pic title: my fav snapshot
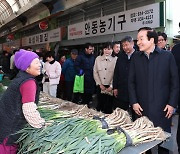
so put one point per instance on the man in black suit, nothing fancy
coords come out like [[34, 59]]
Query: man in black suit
[[153, 81], [120, 78]]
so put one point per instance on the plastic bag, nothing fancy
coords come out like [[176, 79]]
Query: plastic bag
[[78, 84]]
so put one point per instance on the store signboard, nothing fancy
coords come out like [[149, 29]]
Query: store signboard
[[46, 37], [12, 44], [131, 20], [54, 35]]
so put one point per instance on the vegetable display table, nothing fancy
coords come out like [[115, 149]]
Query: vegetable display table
[[141, 148]]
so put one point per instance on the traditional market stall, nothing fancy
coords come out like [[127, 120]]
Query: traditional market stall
[[75, 128]]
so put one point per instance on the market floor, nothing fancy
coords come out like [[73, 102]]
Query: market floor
[[174, 131]]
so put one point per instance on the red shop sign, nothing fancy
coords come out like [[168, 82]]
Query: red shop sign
[[43, 25], [10, 37]]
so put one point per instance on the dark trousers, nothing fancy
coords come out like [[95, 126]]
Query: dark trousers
[[178, 134], [13, 73], [86, 98], [77, 98], [104, 102], [121, 104], [39, 80], [61, 90], [69, 90]]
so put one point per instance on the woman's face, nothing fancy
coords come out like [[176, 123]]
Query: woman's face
[[107, 51], [63, 58], [34, 68]]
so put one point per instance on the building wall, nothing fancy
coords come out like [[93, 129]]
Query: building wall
[[97, 9], [92, 9]]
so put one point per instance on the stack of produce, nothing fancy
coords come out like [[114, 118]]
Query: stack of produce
[[73, 109], [68, 136], [81, 136], [119, 117]]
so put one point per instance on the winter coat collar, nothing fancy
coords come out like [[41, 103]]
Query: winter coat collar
[[156, 50], [103, 57], [52, 62]]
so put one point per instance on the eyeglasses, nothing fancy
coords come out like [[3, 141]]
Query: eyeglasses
[[161, 40]]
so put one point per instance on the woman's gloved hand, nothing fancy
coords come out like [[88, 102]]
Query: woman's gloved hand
[[81, 72]]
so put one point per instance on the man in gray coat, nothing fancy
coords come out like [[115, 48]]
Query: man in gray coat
[[153, 81]]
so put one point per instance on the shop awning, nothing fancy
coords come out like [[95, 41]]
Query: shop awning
[[8, 7]]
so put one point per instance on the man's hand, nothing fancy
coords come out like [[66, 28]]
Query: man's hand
[[169, 110], [137, 108], [115, 91]]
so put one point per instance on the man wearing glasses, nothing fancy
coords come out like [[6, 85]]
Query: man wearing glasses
[[162, 40]]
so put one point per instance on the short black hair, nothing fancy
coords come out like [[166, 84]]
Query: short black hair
[[87, 45], [116, 42], [15, 50], [151, 33], [127, 39], [163, 35], [4, 52], [107, 45], [28, 48], [50, 54], [40, 54]]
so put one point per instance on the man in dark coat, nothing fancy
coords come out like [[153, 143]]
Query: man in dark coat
[[6, 62], [116, 48], [120, 78], [176, 53], [84, 65], [69, 72], [153, 81]]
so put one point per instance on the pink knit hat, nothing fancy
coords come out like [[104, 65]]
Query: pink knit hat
[[23, 59]]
